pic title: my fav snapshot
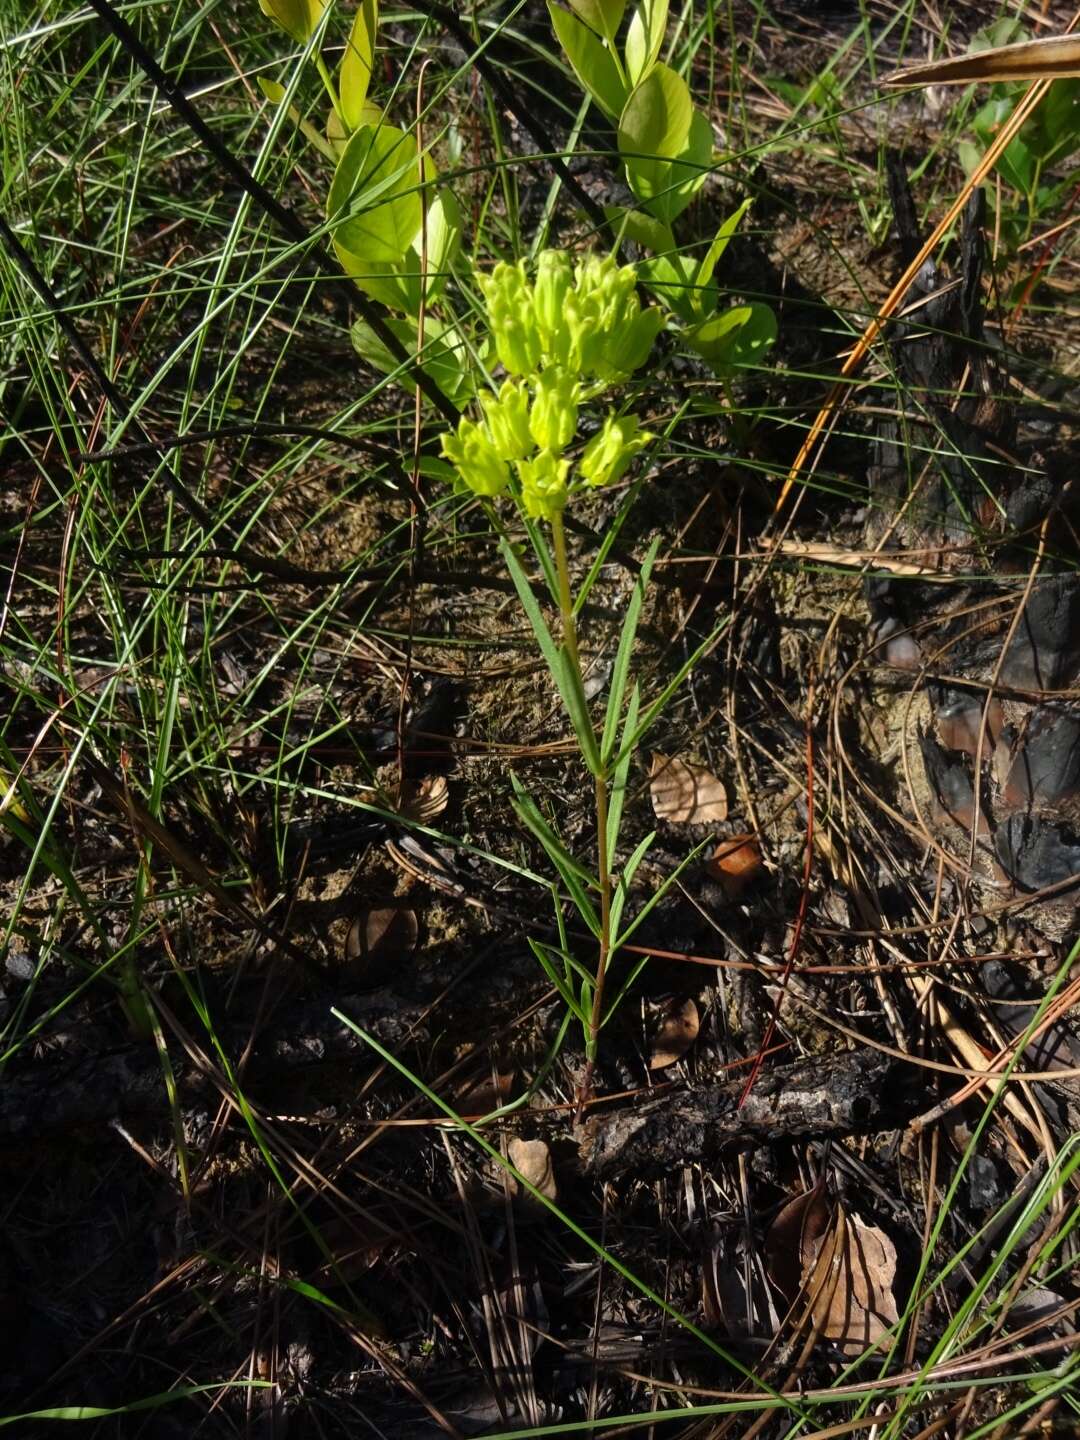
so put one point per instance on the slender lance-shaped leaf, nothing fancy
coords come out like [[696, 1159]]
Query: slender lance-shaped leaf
[[620, 994], [567, 995], [620, 779], [573, 693], [611, 534], [563, 670], [645, 37], [356, 64], [631, 741], [626, 879], [621, 668], [716, 249], [657, 895], [569, 870]]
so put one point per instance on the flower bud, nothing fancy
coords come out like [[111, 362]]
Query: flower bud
[[553, 281], [553, 421], [543, 485], [627, 346], [507, 419], [511, 319], [476, 460], [612, 448]]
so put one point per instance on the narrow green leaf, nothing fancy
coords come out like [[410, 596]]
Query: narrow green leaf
[[569, 870], [621, 778], [530, 606], [645, 37], [630, 742], [569, 999], [621, 993], [592, 63], [357, 63], [626, 879], [531, 816], [542, 551], [621, 668], [577, 707], [607, 540], [658, 894], [714, 252]]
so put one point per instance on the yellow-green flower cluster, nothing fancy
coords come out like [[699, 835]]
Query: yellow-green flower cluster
[[561, 339]]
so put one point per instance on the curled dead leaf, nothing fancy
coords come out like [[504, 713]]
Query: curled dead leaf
[[378, 942], [685, 794], [841, 1270], [424, 800], [735, 863], [678, 1031]]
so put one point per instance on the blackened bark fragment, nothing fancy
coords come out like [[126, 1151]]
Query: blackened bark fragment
[[1045, 651], [857, 1093], [56, 1098]]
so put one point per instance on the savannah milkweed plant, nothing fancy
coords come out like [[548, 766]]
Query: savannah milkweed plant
[[566, 341]]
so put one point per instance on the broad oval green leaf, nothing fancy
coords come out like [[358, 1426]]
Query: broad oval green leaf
[[603, 16], [673, 279], [642, 229], [356, 65], [444, 356], [374, 201], [398, 285], [665, 143], [298, 18], [735, 340], [592, 63], [645, 37], [657, 116]]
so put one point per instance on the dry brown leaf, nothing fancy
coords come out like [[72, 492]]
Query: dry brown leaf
[[795, 1227], [678, 1031], [734, 863], [533, 1159], [843, 1269], [378, 942], [849, 1276], [685, 794]]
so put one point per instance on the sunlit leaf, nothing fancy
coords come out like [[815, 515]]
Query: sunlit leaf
[[715, 251], [603, 16], [642, 229], [592, 62], [298, 18], [645, 37], [375, 197], [398, 285], [665, 143], [735, 339], [356, 65], [444, 356]]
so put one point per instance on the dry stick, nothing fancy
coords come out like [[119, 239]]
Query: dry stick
[[834, 402]]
